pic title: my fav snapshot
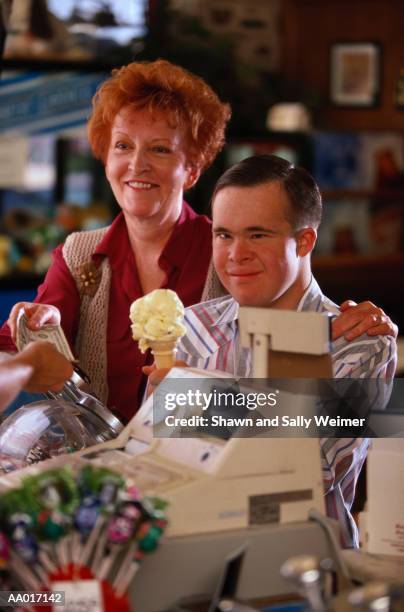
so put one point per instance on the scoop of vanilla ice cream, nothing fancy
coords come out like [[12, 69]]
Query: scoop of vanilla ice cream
[[157, 316]]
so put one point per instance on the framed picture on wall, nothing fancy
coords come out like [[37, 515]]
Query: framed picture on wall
[[355, 71]]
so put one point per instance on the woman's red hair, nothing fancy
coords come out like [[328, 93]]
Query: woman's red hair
[[184, 98]]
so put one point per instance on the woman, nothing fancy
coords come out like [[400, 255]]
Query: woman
[[156, 127]]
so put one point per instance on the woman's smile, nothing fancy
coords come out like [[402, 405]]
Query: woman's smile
[[140, 185]]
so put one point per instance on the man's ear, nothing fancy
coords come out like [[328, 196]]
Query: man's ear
[[194, 173], [306, 240]]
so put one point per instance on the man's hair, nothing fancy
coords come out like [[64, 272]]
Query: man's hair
[[300, 187], [184, 99]]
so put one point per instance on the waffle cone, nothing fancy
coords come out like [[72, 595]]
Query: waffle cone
[[164, 352]]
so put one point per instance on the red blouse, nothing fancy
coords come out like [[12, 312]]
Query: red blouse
[[185, 260]]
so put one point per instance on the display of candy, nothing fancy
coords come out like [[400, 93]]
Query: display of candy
[[61, 524]]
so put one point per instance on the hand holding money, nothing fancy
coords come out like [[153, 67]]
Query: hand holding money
[[38, 368], [50, 369], [50, 333], [37, 315]]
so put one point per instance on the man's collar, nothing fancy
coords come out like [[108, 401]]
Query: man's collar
[[230, 310], [229, 314], [312, 292]]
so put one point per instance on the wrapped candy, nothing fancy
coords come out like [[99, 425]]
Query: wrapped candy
[[54, 489], [86, 514], [24, 550], [24, 543], [53, 497], [147, 540], [120, 529], [99, 488]]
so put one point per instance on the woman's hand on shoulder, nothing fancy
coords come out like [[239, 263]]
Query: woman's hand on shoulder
[[37, 315], [365, 317]]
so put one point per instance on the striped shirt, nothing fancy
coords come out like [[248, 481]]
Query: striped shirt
[[212, 343]]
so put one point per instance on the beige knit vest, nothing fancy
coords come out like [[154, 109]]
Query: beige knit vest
[[91, 341]]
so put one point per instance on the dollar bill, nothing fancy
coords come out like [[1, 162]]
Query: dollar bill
[[51, 333]]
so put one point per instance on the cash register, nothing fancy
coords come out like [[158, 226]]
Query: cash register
[[251, 492]]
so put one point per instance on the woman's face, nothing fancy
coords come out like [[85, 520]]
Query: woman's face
[[146, 165]]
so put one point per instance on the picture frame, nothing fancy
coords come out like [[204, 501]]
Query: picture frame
[[355, 74], [399, 91]]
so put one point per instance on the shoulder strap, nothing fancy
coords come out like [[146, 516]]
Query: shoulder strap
[[91, 340], [79, 247]]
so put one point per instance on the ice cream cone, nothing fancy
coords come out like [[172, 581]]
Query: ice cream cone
[[157, 323], [164, 352]]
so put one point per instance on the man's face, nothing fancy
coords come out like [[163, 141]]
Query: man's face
[[255, 250]]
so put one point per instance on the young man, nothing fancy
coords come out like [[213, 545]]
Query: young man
[[265, 218]]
